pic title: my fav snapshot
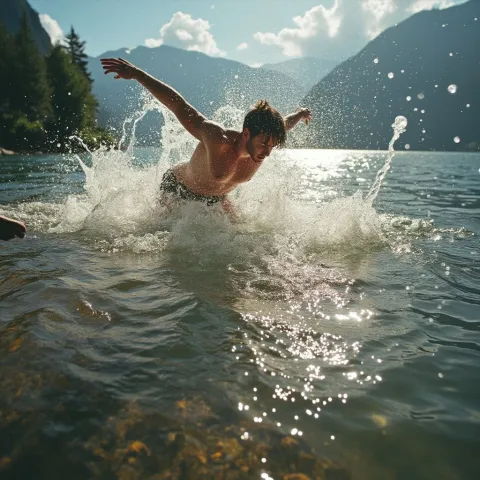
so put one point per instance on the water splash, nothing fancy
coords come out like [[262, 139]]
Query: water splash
[[399, 127]]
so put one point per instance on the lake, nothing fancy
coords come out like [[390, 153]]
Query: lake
[[323, 335]]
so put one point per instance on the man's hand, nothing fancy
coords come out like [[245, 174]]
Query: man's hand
[[306, 114], [11, 228], [121, 67], [301, 114]]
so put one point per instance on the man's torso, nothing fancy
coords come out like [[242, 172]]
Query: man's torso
[[231, 169]]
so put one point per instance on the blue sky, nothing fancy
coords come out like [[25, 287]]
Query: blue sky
[[250, 31]]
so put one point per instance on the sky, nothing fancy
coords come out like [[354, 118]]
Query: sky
[[253, 32]]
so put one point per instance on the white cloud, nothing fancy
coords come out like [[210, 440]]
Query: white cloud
[[53, 29], [343, 27], [420, 5], [316, 22], [184, 31], [376, 12], [379, 8], [242, 46], [153, 42]]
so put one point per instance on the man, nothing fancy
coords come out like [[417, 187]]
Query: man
[[224, 158], [11, 228]]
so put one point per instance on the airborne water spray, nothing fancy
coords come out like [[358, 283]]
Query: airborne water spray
[[399, 127]]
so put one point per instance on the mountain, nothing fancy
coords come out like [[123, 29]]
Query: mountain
[[426, 68], [11, 12], [208, 83], [306, 71]]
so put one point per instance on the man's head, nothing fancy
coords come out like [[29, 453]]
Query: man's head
[[263, 129]]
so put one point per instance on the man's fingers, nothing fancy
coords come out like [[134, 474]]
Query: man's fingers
[[116, 61], [110, 64]]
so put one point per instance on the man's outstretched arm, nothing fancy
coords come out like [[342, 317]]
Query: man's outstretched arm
[[191, 119], [293, 118]]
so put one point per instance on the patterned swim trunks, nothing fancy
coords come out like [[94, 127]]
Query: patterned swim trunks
[[170, 184]]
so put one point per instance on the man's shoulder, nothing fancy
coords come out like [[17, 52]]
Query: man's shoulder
[[214, 133]]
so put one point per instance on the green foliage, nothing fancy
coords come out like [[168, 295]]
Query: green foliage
[[44, 101], [30, 92], [24, 134], [6, 60], [76, 49], [73, 104]]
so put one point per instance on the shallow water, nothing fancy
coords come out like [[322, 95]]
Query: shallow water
[[322, 335]]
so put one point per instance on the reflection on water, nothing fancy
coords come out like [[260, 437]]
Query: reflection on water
[[322, 336]]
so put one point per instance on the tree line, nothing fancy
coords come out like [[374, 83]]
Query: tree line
[[44, 100]]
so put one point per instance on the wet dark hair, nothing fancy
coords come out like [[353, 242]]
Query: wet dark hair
[[263, 118]]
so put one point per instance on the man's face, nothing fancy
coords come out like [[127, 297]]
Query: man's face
[[259, 147]]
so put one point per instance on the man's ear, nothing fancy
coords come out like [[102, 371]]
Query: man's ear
[[246, 134]]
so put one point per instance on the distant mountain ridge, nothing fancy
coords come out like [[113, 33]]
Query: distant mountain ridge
[[406, 70], [306, 71], [11, 12]]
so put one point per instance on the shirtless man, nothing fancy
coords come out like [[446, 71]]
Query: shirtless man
[[224, 158]]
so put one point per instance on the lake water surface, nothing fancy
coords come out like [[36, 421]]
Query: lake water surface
[[322, 335]]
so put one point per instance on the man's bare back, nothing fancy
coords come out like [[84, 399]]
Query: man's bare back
[[223, 159]]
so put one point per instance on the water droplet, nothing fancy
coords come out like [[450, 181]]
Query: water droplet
[[440, 375], [451, 54], [400, 123], [59, 145], [421, 96], [452, 88], [423, 111], [403, 71], [409, 98], [468, 105], [407, 146], [236, 76], [376, 60], [391, 75], [456, 139]]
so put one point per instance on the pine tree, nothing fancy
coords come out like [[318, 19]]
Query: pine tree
[[30, 93], [76, 49], [73, 103], [7, 76]]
